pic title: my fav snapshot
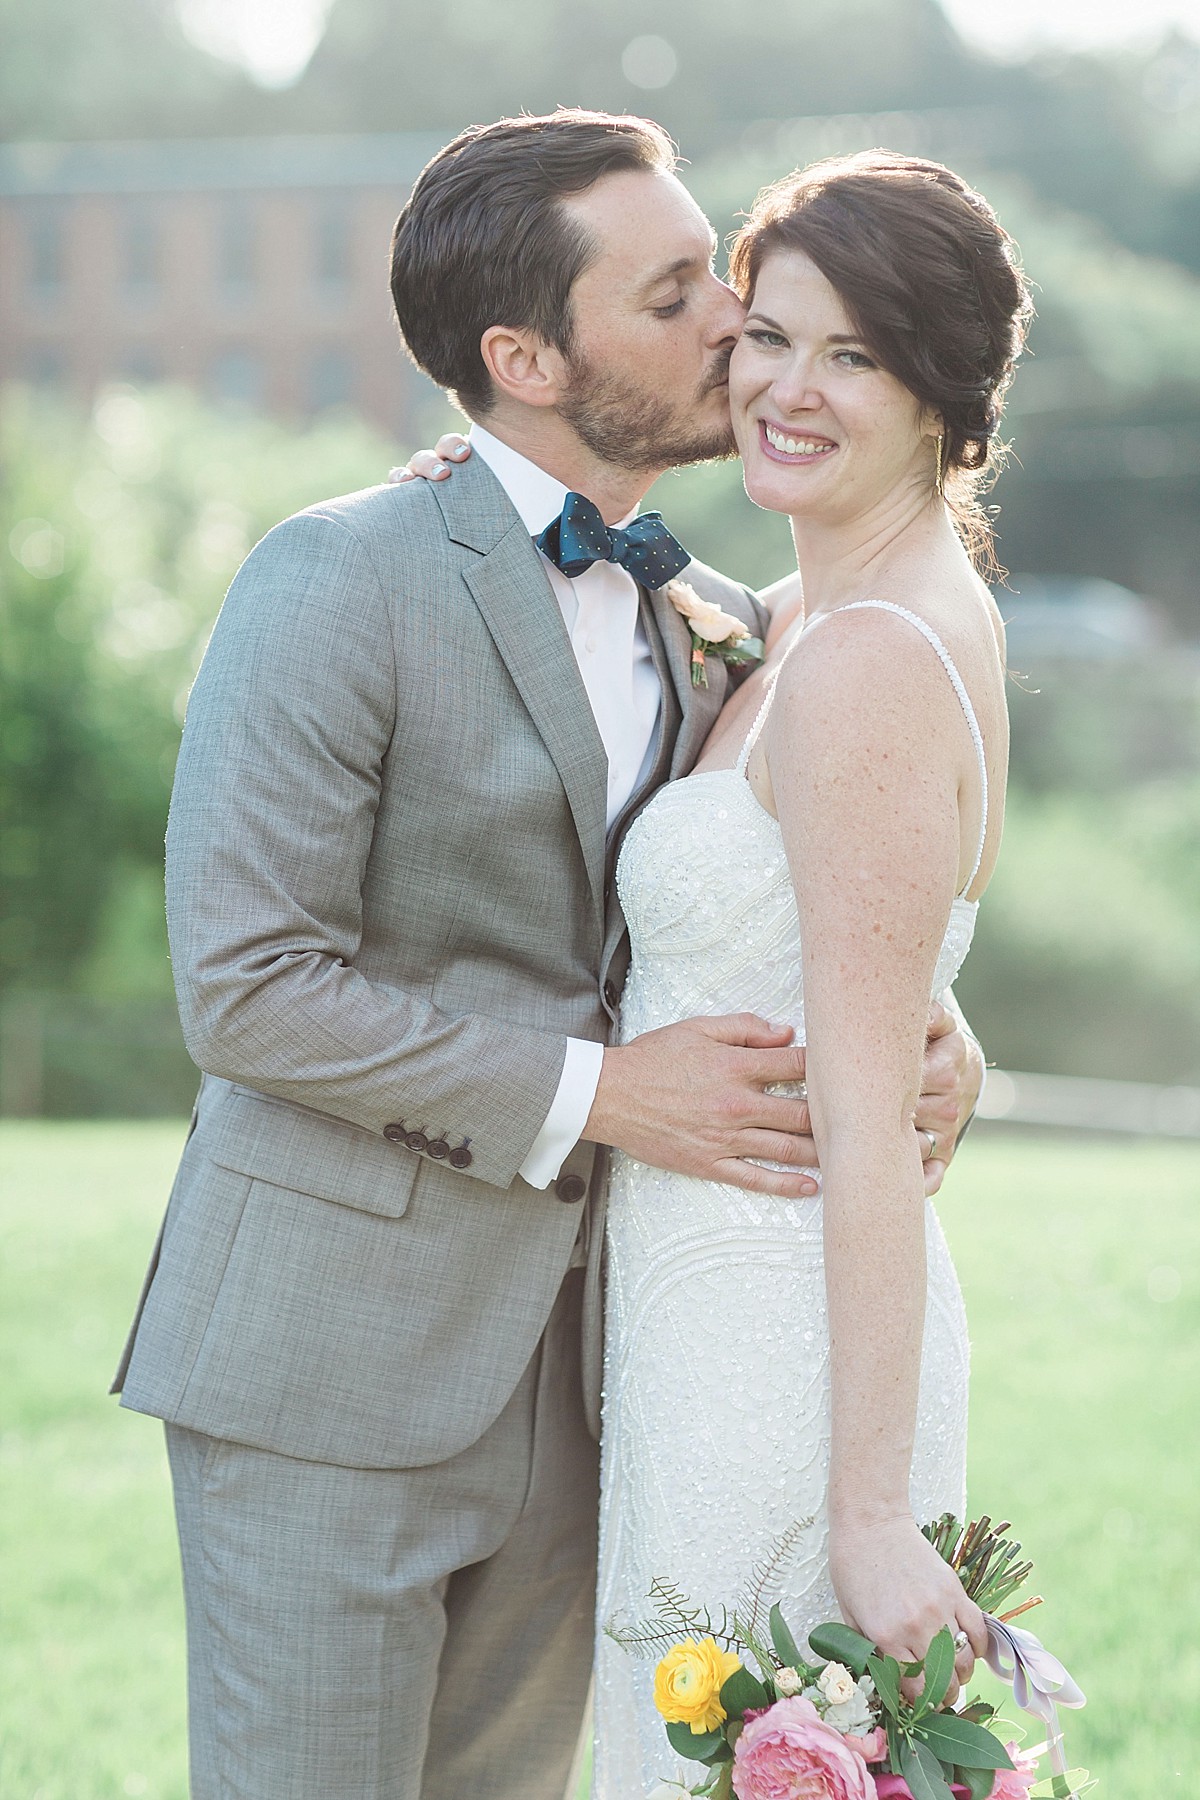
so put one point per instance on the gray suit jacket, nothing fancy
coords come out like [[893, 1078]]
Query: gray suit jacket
[[390, 899]]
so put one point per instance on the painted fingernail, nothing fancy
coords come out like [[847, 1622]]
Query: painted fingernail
[[459, 450], [395, 475], [439, 468]]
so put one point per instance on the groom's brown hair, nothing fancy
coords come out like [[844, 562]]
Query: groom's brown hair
[[485, 241]]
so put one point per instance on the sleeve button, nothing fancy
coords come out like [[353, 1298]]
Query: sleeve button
[[437, 1149], [460, 1158], [416, 1140], [395, 1132], [570, 1189]]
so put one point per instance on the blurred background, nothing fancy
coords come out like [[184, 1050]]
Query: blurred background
[[196, 198], [196, 339]]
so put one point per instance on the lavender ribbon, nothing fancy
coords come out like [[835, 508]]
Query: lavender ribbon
[[1039, 1682]]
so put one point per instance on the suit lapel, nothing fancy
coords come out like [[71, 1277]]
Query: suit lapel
[[509, 586]]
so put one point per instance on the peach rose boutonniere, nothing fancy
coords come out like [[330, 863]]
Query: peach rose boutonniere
[[714, 633]]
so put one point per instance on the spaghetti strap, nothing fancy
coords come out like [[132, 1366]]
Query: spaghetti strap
[[960, 689], [760, 719]]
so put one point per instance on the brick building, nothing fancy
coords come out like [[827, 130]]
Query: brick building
[[254, 269]]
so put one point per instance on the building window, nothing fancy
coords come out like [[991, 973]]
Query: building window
[[142, 252], [331, 380], [236, 377], [331, 245], [47, 239], [237, 249]]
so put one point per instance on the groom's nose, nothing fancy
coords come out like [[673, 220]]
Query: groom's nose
[[728, 314]]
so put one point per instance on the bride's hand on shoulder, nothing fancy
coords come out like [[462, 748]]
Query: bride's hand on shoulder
[[892, 1585], [435, 464]]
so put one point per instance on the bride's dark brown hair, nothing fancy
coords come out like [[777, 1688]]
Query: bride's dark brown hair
[[932, 282]]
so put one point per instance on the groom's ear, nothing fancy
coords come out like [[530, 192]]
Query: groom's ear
[[522, 366]]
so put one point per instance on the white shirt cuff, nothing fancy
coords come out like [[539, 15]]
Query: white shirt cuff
[[568, 1112]]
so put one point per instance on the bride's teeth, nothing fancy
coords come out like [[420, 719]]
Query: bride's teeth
[[794, 446]]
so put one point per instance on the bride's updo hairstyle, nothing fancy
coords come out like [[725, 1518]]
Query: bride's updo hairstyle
[[932, 282]]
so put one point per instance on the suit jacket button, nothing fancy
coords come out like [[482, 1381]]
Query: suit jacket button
[[610, 993], [395, 1133], [460, 1158], [416, 1140], [438, 1149], [570, 1188]]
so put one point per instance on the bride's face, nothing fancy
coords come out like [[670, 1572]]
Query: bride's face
[[824, 433]]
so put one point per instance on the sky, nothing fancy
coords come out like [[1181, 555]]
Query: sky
[[273, 39]]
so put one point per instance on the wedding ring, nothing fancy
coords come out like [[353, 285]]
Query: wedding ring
[[961, 1640], [931, 1141]]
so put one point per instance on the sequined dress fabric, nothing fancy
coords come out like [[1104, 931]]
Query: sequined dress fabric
[[716, 1390]]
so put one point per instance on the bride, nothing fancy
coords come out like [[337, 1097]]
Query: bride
[[771, 1361]]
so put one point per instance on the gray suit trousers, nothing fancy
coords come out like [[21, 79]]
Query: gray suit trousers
[[420, 1633]]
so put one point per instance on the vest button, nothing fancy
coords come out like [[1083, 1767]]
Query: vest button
[[570, 1189]]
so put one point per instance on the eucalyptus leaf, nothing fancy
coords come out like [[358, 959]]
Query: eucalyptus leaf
[[741, 1691], [697, 1747], [939, 1667], [923, 1773], [837, 1643], [885, 1673], [786, 1648], [957, 1740]]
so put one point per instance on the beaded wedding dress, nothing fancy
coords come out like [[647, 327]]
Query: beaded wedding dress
[[716, 1389]]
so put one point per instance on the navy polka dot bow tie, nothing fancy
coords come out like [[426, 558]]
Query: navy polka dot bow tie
[[579, 537]]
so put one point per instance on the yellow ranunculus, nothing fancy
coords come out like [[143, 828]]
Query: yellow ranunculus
[[688, 1682]]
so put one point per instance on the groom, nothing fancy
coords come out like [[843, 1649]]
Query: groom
[[410, 756]]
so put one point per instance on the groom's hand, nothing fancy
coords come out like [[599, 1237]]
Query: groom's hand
[[950, 1086], [692, 1097]]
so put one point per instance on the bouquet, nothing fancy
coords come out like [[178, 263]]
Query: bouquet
[[836, 1724]]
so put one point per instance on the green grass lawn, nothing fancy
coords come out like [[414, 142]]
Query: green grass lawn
[[1079, 1262]]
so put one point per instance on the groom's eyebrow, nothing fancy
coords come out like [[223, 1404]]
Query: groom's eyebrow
[[679, 265]]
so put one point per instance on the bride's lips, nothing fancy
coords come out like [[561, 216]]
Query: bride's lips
[[809, 446]]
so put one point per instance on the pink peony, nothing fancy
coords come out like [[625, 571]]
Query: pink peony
[[789, 1753], [1014, 1784], [872, 1748]]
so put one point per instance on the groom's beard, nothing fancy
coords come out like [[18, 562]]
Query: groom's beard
[[622, 424]]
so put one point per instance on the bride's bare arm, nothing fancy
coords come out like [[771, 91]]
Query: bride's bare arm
[[867, 750]]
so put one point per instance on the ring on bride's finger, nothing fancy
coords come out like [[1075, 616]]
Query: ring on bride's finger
[[961, 1640], [931, 1141]]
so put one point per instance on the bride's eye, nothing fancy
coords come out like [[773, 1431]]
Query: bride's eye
[[770, 340], [854, 359]]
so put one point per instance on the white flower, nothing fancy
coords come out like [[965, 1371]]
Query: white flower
[[705, 616], [787, 1683], [836, 1683], [854, 1715], [670, 1790]]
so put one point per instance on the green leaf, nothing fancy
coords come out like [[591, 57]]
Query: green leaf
[[923, 1773], [978, 1782], [939, 1667], [700, 1748], [1061, 1787], [885, 1673], [837, 1643], [741, 1691], [723, 1790], [979, 1712], [786, 1648], [957, 1740]]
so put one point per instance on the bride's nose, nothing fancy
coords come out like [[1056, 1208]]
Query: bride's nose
[[795, 391]]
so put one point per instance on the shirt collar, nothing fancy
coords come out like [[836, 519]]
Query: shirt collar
[[537, 495]]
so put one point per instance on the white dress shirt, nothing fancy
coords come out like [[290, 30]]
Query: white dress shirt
[[601, 610]]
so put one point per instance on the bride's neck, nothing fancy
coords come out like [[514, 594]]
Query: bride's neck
[[859, 558]]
